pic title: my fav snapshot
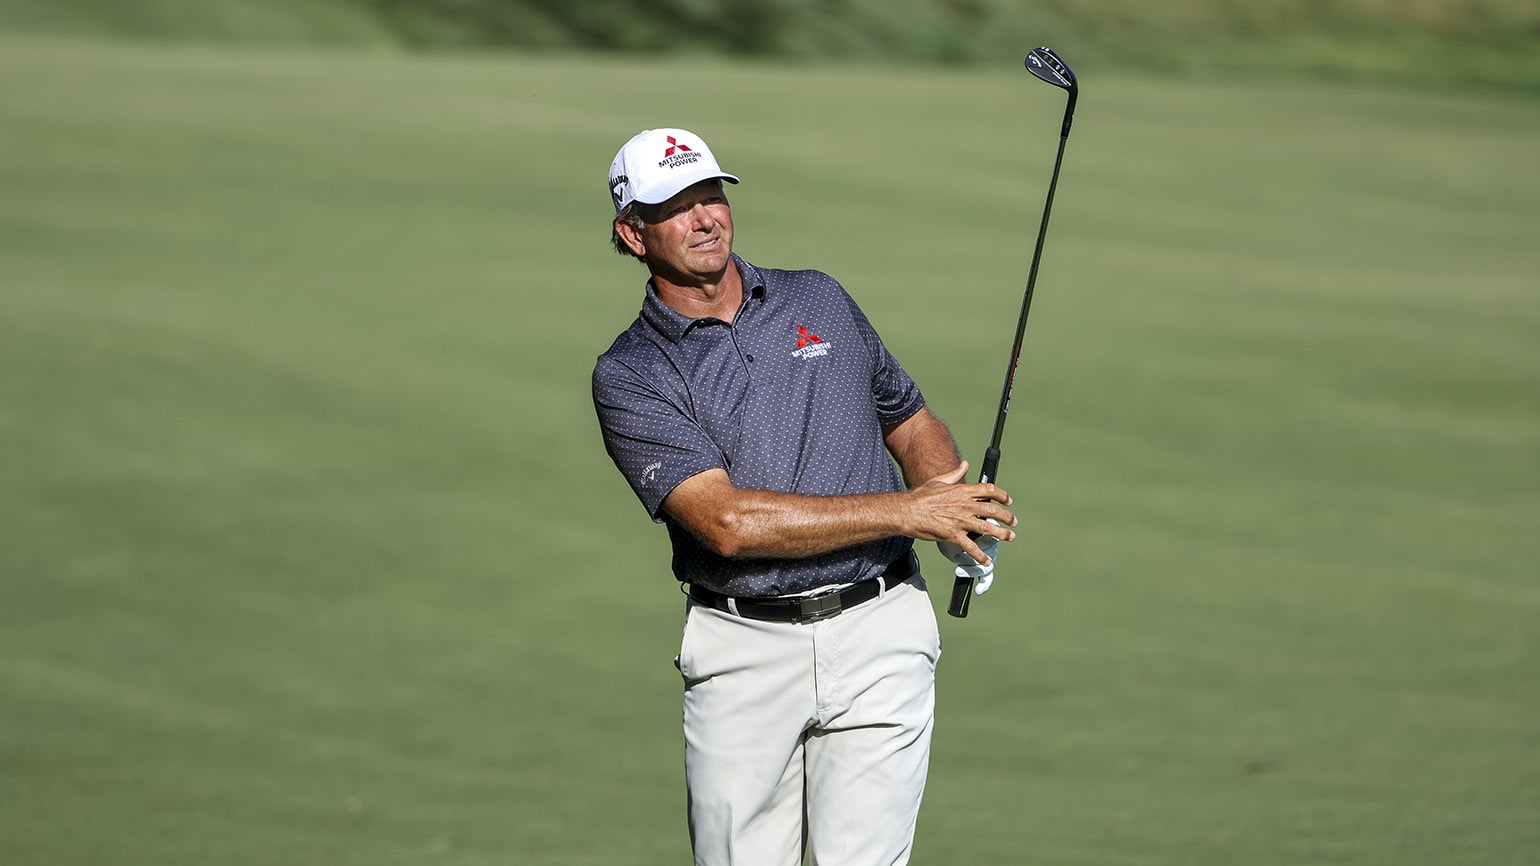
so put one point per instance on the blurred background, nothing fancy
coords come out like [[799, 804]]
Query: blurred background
[[310, 551]]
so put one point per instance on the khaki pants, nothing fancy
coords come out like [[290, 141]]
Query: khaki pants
[[813, 735]]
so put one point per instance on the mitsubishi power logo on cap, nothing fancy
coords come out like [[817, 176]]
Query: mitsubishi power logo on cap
[[809, 345], [677, 154]]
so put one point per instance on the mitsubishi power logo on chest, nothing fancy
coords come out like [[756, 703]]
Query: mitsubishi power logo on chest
[[676, 154], [809, 345]]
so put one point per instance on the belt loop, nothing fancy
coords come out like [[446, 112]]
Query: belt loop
[[732, 606], [882, 586]]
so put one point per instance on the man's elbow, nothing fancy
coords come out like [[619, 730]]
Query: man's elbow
[[725, 536], [712, 511]]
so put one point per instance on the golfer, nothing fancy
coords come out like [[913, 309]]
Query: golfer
[[757, 415]]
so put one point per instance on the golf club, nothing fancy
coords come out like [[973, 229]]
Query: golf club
[[1050, 67]]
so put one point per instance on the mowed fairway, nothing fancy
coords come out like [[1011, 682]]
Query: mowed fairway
[[310, 552]]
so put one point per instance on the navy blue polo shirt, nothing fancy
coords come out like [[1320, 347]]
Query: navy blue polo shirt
[[791, 396]]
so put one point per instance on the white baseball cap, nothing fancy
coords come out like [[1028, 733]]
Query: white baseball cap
[[657, 163]]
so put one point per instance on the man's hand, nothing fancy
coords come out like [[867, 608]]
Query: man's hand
[[945, 510]]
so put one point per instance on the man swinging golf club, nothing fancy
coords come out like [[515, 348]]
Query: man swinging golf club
[[758, 415]]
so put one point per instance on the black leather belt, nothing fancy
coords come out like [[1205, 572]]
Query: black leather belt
[[810, 608]]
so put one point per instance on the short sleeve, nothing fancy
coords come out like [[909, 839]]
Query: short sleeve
[[652, 439], [895, 393]]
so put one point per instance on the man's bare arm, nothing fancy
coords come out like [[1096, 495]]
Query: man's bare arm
[[739, 522], [923, 447]]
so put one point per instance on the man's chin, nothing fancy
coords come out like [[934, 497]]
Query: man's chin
[[712, 263]]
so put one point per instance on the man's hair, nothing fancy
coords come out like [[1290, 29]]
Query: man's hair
[[631, 214]]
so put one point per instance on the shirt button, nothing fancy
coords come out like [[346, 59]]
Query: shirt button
[[750, 358]]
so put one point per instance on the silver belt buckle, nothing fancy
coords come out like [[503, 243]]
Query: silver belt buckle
[[817, 607]]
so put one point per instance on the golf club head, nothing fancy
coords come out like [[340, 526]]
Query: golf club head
[[1045, 64], [1050, 67]]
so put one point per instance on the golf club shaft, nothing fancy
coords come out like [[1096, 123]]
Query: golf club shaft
[[1026, 308], [962, 590]]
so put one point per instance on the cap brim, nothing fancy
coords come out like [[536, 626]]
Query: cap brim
[[678, 184]]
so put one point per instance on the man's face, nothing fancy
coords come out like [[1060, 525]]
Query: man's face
[[687, 240]]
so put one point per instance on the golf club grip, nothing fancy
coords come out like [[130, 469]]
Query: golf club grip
[[962, 592], [962, 589]]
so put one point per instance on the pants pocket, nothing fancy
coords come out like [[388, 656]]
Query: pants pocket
[[683, 662]]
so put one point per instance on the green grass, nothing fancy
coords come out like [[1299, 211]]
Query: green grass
[[309, 552]]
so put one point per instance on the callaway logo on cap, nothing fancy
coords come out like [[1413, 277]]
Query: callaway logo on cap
[[657, 163]]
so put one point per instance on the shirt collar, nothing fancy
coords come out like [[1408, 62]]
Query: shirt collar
[[675, 325]]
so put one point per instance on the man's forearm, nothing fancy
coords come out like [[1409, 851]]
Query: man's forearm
[[761, 523], [740, 522]]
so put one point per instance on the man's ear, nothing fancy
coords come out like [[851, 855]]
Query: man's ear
[[631, 237]]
